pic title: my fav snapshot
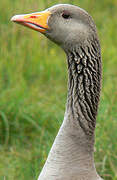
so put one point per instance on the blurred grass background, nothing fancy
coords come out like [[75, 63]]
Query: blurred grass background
[[33, 88]]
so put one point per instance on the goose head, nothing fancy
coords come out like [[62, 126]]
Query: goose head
[[66, 25]]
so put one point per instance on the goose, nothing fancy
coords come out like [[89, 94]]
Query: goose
[[73, 29]]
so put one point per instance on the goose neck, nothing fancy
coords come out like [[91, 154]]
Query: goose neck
[[84, 82]]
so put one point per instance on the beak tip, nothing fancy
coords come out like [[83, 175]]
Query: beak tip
[[13, 18]]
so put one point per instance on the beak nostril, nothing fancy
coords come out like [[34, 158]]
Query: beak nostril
[[33, 16]]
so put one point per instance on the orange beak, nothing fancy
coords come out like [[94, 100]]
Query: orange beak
[[37, 21]]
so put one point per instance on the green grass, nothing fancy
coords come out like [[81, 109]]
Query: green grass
[[33, 87]]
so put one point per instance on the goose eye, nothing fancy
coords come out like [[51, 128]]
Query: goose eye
[[66, 15]]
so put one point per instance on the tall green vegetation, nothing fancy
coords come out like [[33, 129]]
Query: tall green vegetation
[[33, 87]]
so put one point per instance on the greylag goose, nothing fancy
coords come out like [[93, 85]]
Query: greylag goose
[[72, 154]]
